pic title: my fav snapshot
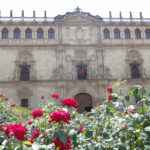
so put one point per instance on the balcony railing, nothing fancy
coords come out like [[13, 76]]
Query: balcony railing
[[27, 19]]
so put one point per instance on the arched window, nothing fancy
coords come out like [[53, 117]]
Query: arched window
[[5, 33], [17, 33], [116, 34], [51, 34], [135, 72], [147, 33], [28, 34], [40, 34], [127, 34], [137, 34], [24, 72], [82, 71], [106, 34]]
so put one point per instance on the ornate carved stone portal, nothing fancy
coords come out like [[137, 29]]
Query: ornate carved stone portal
[[134, 63], [25, 64]]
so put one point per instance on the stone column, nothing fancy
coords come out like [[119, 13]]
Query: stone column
[[59, 33]]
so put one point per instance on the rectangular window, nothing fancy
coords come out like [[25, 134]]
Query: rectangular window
[[24, 72], [24, 102], [135, 72], [82, 71]]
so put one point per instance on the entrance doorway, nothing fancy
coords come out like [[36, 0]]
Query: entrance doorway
[[85, 102]]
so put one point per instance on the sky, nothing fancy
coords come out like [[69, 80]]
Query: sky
[[95, 7]]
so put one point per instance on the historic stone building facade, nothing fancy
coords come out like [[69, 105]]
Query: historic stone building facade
[[75, 54]]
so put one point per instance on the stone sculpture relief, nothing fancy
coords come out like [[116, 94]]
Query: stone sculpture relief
[[104, 72], [60, 74]]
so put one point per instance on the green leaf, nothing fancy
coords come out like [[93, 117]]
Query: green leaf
[[147, 129], [61, 135], [89, 133], [74, 138]]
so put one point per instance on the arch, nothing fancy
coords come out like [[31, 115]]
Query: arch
[[106, 33], [40, 33], [28, 33], [117, 33], [137, 34], [5, 33], [127, 34], [17, 33], [51, 33], [85, 102], [147, 33]]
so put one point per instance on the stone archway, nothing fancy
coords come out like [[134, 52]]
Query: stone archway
[[85, 102]]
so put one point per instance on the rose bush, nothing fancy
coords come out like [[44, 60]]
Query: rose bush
[[56, 124]]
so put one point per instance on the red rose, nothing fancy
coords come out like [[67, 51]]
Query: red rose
[[109, 89], [35, 133], [17, 130], [110, 98], [55, 95], [9, 129], [81, 129], [63, 146], [70, 102], [37, 112], [29, 122], [60, 116], [20, 132]]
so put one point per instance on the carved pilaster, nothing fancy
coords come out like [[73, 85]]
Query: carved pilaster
[[61, 72], [59, 33]]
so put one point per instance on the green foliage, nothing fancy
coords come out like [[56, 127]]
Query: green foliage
[[104, 128], [61, 135]]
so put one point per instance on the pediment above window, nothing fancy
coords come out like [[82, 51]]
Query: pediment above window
[[78, 16]]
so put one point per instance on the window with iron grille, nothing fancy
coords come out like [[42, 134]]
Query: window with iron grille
[[5, 33], [117, 34], [51, 34], [24, 72], [17, 33], [135, 72], [127, 34], [106, 33], [138, 34], [28, 34], [40, 34], [82, 71], [24, 102], [147, 33]]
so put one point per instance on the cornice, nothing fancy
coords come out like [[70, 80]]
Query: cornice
[[97, 45]]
